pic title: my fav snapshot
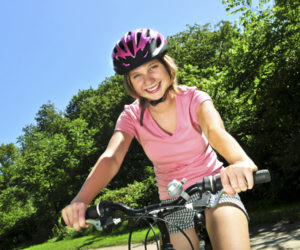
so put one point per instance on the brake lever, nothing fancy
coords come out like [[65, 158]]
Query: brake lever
[[201, 204], [95, 223], [109, 221], [215, 198], [208, 200]]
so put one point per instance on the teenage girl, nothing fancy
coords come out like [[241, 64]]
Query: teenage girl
[[179, 129]]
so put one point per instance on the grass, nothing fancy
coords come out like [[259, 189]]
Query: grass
[[259, 215], [93, 241]]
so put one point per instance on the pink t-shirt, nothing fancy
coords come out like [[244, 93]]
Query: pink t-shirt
[[186, 153]]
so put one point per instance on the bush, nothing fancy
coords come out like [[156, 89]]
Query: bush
[[138, 194]]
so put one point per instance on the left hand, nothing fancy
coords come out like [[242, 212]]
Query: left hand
[[238, 177]]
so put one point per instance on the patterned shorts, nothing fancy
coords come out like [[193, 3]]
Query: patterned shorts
[[185, 218]]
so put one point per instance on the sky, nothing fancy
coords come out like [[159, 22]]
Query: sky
[[51, 49]]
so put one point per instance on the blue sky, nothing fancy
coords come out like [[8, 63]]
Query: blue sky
[[50, 49]]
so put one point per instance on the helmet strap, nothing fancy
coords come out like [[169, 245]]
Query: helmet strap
[[154, 103], [143, 111]]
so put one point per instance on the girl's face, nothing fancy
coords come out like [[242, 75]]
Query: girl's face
[[150, 80]]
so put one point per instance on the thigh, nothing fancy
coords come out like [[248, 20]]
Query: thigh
[[179, 241], [227, 226], [181, 219]]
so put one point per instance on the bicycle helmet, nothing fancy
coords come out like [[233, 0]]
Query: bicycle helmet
[[137, 47]]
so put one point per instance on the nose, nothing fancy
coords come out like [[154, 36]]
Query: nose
[[148, 80]]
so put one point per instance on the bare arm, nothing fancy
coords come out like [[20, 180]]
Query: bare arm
[[237, 176], [104, 170]]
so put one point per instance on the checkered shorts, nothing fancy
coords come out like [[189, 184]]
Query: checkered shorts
[[184, 219]]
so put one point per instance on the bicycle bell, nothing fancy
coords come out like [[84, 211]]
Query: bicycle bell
[[175, 187]]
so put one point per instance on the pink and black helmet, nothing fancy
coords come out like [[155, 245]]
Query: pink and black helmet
[[137, 47]]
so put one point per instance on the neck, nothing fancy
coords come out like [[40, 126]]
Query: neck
[[163, 106], [160, 105]]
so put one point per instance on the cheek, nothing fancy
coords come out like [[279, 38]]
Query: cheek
[[165, 73], [136, 86]]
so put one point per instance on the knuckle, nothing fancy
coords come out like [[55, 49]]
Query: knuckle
[[222, 171]]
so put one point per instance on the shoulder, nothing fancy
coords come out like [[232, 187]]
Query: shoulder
[[129, 118], [193, 93], [185, 90], [192, 98], [133, 110]]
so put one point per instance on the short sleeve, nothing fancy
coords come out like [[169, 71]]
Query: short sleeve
[[125, 123], [198, 97]]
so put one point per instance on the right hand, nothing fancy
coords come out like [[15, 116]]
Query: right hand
[[74, 215]]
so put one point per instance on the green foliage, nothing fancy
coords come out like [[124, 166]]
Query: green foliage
[[265, 71], [203, 46], [8, 155], [135, 195], [53, 154], [53, 159], [138, 194], [101, 109]]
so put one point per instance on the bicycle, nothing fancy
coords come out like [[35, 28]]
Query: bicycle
[[103, 214]]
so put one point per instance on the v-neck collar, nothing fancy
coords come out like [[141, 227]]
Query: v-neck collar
[[158, 128]]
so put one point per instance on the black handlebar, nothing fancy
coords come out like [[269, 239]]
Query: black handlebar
[[210, 183], [214, 184], [91, 213], [262, 176]]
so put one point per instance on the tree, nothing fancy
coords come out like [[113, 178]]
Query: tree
[[264, 68], [52, 163], [203, 46], [8, 155], [101, 109], [15, 203]]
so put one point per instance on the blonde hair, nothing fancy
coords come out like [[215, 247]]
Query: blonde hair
[[172, 69]]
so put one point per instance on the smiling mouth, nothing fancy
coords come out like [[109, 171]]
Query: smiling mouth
[[153, 89]]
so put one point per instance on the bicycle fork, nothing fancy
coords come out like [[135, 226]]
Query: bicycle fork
[[165, 236]]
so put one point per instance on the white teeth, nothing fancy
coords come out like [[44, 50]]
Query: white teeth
[[153, 88]]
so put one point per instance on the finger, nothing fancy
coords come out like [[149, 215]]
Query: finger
[[65, 217], [226, 183], [75, 217], [242, 182], [81, 216], [249, 179], [234, 182], [68, 214]]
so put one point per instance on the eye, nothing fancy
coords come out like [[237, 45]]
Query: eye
[[154, 66], [135, 76]]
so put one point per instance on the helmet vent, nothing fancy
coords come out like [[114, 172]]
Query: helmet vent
[[130, 46], [158, 42], [121, 45], [138, 38], [148, 33]]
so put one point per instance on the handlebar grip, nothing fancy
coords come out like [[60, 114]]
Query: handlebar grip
[[260, 176], [91, 213], [219, 185]]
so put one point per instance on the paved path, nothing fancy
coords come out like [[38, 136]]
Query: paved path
[[278, 236], [283, 235]]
